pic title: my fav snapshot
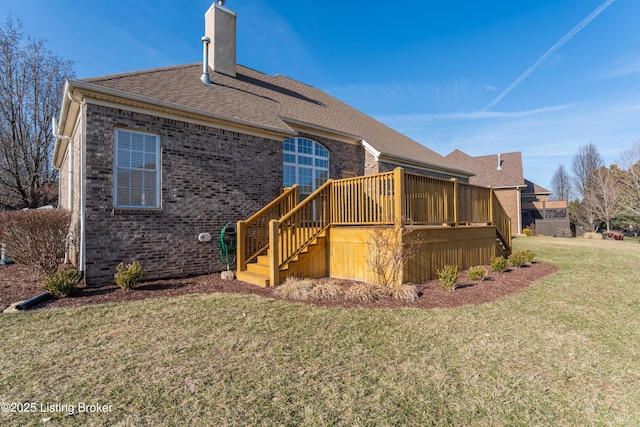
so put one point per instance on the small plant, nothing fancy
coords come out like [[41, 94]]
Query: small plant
[[404, 293], [518, 259], [61, 283], [477, 273], [448, 277], [327, 291], [529, 256], [499, 264], [592, 236], [527, 232], [128, 276], [295, 288], [366, 292]]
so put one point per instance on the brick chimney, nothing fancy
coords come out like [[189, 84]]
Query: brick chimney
[[220, 27]]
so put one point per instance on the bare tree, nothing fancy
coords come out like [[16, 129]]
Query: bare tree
[[584, 164], [630, 182], [31, 83], [561, 184], [603, 194], [587, 161]]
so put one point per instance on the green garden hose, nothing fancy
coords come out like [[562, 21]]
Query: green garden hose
[[228, 244]]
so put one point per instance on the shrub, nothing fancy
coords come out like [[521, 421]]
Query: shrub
[[477, 273], [295, 288], [448, 277], [592, 236], [36, 238], [128, 276], [529, 256], [527, 232], [62, 282], [518, 259], [404, 293], [498, 264], [366, 292], [327, 291]]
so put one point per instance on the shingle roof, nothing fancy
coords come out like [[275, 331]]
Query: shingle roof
[[268, 101], [533, 188], [485, 168]]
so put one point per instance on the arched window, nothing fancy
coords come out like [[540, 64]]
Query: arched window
[[306, 163]]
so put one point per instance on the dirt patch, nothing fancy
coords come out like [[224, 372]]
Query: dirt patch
[[18, 283]]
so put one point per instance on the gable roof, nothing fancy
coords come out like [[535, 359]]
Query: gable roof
[[533, 188], [276, 104], [486, 168]]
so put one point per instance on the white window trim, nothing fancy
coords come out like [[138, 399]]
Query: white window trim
[[158, 171], [313, 156]]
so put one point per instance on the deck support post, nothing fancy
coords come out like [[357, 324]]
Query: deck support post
[[398, 199], [274, 253], [241, 230], [455, 202], [491, 196]]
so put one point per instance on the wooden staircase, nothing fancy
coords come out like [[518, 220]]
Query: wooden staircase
[[259, 272]]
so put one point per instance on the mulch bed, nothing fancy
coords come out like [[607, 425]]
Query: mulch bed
[[18, 283]]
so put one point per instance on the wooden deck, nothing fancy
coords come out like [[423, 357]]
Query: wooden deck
[[327, 233]]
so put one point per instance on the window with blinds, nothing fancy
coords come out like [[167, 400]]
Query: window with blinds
[[137, 170]]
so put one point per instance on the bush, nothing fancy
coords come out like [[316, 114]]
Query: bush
[[61, 283], [518, 259], [448, 277], [592, 236], [295, 288], [128, 276], [327, 291], [404, 293], [477, 273], [36, 238], [366, 292], [498, 264], [529, 256], [527, 232]]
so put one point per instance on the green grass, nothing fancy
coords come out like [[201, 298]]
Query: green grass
[[564, 352]]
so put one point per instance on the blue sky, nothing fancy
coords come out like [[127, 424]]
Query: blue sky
[[541, 77]]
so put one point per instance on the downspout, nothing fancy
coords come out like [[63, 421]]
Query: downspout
[[83, 212], [54, 131]]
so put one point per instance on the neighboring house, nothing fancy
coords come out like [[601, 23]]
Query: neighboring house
[[525, 202], [150, 160], [546, 217]]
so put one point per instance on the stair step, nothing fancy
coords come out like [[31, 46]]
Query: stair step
[[253, 278], [260, 268]]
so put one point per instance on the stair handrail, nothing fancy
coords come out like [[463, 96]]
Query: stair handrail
[[501, 221], [253, 233], [295, 231]]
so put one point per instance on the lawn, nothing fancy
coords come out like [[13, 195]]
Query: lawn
[[565, 351]]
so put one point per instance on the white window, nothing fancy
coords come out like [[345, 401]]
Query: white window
[[306, 163], [137, 170]]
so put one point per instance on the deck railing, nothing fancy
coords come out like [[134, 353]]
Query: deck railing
[[295, 231], [363, 200], [253, 234], [287, 228]]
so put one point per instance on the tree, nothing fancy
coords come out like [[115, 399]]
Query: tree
[[603, 193], [630, 197], [585, 163], [561, 184], [31, 83]]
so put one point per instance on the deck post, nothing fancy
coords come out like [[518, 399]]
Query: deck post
[[491, 195], [455, 202], [398, 199], [274, 253], [241, 229]]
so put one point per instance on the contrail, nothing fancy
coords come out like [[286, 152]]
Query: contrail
[[550, 52]]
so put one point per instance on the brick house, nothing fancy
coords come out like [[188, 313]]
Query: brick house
[[150, 159]]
